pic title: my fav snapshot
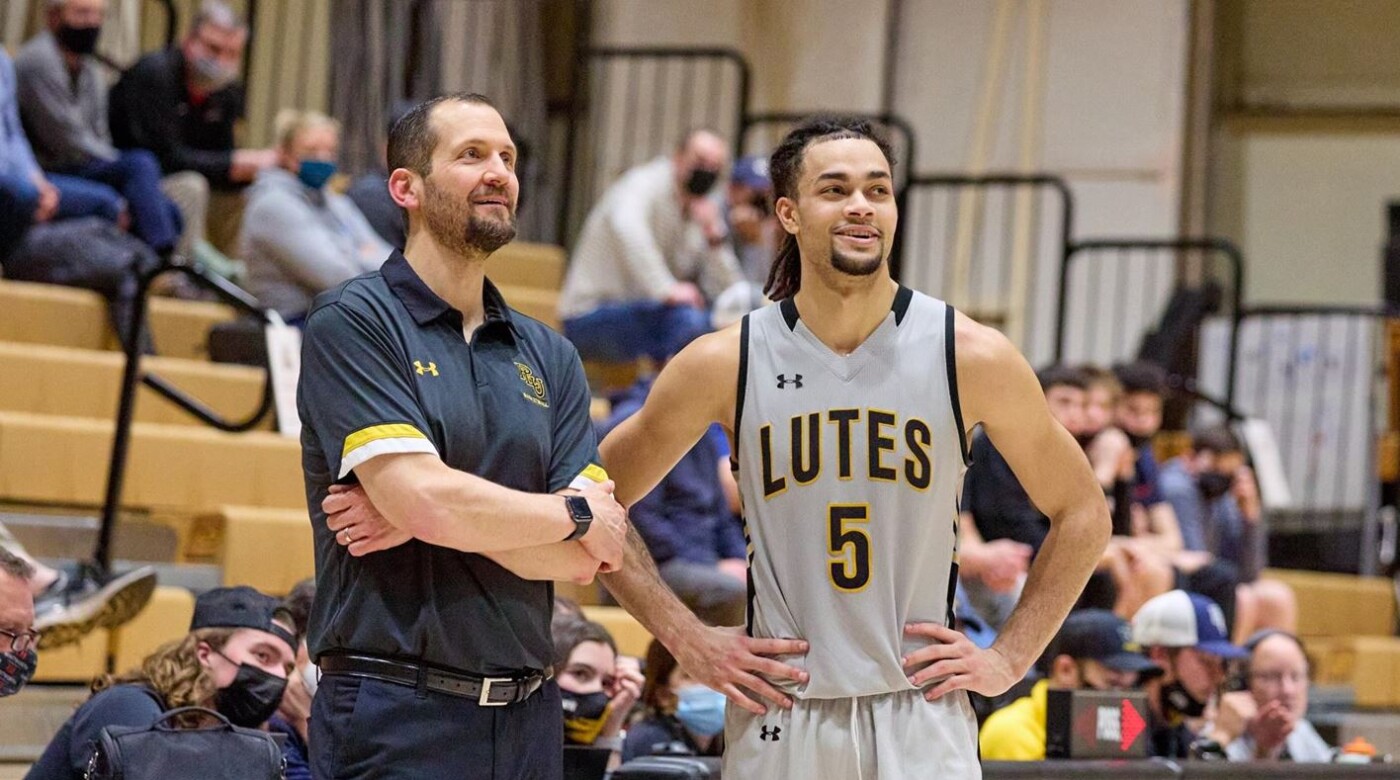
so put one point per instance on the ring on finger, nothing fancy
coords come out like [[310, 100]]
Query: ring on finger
[[348, 538]]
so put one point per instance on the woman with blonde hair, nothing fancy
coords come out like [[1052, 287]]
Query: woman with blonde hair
[[235, 660], [298, 236]]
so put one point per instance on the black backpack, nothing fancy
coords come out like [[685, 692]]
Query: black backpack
[[219, 752]]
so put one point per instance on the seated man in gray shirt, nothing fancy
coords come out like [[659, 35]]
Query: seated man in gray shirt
[[63, 104]]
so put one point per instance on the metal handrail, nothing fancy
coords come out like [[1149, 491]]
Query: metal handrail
[[132, 374]]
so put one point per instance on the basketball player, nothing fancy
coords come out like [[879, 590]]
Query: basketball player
[[848, 402]]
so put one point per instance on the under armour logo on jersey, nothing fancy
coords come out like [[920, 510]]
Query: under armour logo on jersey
[[766, 733], [783, 381]]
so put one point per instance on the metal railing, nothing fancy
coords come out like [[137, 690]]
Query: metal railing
[[1137, 282], [991, 245], [132, 374], [1317, 376], [633, 104]]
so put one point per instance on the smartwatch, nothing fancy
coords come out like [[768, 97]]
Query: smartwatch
[[580, 513]]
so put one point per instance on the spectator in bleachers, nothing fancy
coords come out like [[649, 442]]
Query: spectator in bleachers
[[680, 716], [1268, 720], [29, 197], [651, 253], [63, 104], [690, 527], [1216, 500], [598, 687], [181, 103], [19, 655], [298, 237], [293, 714], [1155, 522], [1001, 530], [1092, 650], [1184, 634], [1108, 448], [234, 660], [751, 219]]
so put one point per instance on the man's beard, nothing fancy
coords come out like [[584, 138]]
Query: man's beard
[[856, 266], [478, 234]]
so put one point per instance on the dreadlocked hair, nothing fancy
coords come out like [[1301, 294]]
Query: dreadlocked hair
[[785, 166]]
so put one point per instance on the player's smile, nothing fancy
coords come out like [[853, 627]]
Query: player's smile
[[863, 236]]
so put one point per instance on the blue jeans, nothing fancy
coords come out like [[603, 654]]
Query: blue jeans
[[78, 197], [18, 200], [136, 175], [621, 332]]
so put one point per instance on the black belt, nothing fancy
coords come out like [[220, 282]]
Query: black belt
[[486, 691]]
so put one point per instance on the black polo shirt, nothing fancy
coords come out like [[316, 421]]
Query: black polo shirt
[[386, 368]]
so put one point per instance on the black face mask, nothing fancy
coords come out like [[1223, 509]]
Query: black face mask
[[1177, 702], [701, 181], [78, 40], [251, 698], [1137, 441], [1213, 484]]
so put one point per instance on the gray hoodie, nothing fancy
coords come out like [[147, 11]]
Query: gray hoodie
[[298, 241]]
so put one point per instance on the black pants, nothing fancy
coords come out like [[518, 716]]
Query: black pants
[[366, 728]]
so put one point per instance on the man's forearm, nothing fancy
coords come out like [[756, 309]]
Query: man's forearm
[[559, 562], [638, 587], [1068, 556], [423, 497]]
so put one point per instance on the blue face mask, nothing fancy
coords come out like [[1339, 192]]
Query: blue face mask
[[315, 173], [701, 710]]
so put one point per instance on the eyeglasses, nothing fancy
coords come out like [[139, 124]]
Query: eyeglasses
[[21, 641], [1277, 678]]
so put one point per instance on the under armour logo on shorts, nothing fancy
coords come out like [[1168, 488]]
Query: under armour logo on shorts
[[765, 733], [796, 381]]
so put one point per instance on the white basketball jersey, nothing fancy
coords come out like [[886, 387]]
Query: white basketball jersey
[[850, 469]]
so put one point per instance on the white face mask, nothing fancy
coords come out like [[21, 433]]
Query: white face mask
[[310, 677]]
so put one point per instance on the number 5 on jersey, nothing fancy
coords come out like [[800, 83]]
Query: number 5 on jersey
[[849, 543]]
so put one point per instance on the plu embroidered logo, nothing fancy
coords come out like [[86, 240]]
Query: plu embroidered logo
[[420, 369], [538, 394]]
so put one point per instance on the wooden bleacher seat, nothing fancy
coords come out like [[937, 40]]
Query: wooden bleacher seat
[[1348, 625], [84, 383], [1340, 604], [523, 264], [79, 662], [63, 460], [269, 549], [67, 317], [166, 617], [543, 305], [631, 638]]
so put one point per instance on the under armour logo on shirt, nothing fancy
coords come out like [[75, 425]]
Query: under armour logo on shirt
[[765, 733], [783, 381]]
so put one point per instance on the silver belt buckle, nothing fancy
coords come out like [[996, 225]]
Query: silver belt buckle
[[485, 699]]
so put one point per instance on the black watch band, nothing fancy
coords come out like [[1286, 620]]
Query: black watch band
[[582, 515]]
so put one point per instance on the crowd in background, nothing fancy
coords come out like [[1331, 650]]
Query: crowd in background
[[96, 180]]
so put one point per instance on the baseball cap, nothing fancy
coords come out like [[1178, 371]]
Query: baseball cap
[[1102, 636], [242, 607], [752, 171], [1181, 619]]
